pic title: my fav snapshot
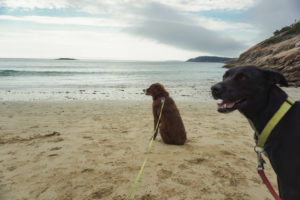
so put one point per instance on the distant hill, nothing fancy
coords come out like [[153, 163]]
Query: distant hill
[[210, 59], [65, 59], [280, 52]]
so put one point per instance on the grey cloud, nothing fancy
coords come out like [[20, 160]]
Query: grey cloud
[[156, 11], [270, 15], [167, 26]]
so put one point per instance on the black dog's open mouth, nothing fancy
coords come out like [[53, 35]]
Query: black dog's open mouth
[[227, 106]]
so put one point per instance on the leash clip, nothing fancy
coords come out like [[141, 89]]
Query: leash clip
[[260, 160], [260, 163], [162, 100]]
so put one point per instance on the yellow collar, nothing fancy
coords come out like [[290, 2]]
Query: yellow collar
[[284, 108]]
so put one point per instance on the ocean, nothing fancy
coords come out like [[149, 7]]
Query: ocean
[[56, 80]]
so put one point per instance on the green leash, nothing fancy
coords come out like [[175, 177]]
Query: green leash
[[148, 150]]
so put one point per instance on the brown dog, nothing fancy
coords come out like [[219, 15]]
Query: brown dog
[[171, 126]]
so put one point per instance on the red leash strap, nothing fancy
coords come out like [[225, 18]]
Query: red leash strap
[[268, 184]]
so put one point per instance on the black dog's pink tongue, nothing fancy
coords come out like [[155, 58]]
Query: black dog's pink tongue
[[226, 105]]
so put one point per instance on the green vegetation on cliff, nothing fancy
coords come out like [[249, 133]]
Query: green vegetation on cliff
[[292, 29], [283, 34]]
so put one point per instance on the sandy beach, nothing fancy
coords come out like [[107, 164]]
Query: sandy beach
[[94, 149], [73, 149], [75, 123]]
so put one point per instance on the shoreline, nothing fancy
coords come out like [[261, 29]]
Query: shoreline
[[190, 93]]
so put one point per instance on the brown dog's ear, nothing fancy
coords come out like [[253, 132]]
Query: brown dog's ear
[[275, 77]]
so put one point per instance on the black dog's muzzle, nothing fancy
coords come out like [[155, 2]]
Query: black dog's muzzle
[[216, 91]]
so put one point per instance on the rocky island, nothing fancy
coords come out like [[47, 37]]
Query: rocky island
[[280, 52], [65, 59]]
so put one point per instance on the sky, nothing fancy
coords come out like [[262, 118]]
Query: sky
[[152, 30]]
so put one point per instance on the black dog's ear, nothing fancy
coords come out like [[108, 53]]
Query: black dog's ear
[[275, 77]]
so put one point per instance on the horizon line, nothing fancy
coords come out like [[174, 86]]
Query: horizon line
[[99, 59]]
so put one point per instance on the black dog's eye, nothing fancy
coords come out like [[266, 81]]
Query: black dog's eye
[[242, 77], [225, 75]]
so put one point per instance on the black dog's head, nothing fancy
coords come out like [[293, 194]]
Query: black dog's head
[[245, 88], [156, 90]]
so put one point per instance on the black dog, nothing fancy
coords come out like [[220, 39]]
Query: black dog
[[254, 93]]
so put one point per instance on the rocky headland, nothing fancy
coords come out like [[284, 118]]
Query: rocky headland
[[210, 59], [280, 52]]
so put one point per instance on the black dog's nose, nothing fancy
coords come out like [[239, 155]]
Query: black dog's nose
[[216, 90]]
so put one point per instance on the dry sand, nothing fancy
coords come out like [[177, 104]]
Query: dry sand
[[93, 150]]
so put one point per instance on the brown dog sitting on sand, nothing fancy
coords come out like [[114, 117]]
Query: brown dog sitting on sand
[[171, 127]]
